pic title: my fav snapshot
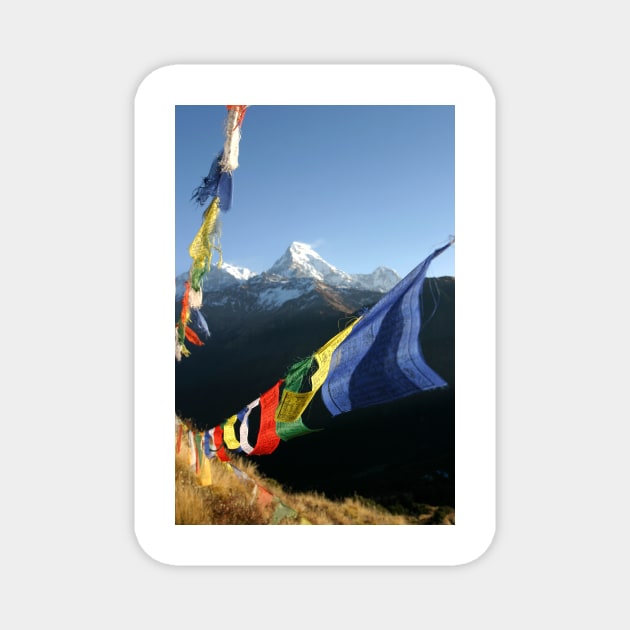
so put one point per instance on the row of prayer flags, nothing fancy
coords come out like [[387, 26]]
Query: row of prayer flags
[[375, 359]]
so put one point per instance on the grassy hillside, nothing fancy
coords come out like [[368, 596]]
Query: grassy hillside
[[231, 499]]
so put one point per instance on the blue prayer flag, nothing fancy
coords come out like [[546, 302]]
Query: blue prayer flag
[[216, 183], [224, 191], [209, 184], [199, 322], [381, 359]]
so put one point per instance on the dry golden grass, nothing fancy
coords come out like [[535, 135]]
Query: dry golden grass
[[226, 502], [231, 500], [350, 511]]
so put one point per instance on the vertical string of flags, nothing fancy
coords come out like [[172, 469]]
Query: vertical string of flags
[[217, 187]]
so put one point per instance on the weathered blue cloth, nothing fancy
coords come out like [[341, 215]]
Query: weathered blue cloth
[[216, 183], [209, 184], [224, 191], [199, 322], [381, 359]]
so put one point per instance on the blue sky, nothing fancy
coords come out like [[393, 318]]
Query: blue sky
[[364, 185]]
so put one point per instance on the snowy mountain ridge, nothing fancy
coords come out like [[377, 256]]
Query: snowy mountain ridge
[[299, 263]]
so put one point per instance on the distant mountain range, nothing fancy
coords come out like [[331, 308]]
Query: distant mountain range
[[299, 269], [261, 324]]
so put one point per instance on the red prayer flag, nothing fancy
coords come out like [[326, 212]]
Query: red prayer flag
[[192, 336], [219, 445], [265, 497], [185, 308], [179, 438], [268, 439]]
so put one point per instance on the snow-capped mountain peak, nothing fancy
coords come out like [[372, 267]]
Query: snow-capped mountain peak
[[238, 273], [381, 279], [302, 261]]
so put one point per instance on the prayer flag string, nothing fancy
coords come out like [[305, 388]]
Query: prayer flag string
[[217, 186], [376, 358]]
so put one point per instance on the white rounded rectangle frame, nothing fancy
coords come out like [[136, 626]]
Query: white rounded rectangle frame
[[475, 326]]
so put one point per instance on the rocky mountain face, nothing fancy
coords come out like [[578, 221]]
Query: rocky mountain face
[[261, 324]]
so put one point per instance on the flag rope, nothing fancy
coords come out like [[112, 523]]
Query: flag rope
[[217, 186]]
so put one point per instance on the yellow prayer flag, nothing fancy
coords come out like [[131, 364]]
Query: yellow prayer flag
[[204, 477], [292, 405], [324, 355], [229, 435], [200, 249]]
